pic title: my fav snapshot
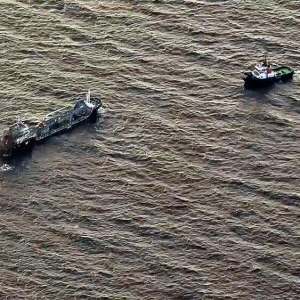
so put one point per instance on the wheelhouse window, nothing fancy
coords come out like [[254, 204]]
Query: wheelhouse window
[[255, 73]]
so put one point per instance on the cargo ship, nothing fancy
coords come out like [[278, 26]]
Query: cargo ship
[[21, 138]]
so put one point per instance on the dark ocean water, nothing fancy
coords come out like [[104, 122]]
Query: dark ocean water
[[187, 187]]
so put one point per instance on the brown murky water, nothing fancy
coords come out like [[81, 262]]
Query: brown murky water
[[187, 187]]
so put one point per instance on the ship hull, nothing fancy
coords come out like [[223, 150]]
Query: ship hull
[[17, 150], [252, 82]]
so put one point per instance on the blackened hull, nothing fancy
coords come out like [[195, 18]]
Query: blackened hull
[[252, 82], [17, 150]]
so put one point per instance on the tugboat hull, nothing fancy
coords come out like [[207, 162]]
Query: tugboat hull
[[252, 82]]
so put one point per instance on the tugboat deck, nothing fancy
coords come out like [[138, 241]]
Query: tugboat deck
[[282, 70]]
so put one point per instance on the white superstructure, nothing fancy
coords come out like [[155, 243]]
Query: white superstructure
[[261, 71]]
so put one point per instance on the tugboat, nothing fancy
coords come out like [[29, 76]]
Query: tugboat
[[264, 74], [20, 137]]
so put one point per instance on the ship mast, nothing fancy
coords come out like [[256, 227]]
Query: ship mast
[[266, 63], [88, 96], [266, 60]]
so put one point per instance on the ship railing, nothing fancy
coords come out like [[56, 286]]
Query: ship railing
[[54, 112]]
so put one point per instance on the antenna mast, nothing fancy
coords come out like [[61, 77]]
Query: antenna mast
[[88, 96]]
